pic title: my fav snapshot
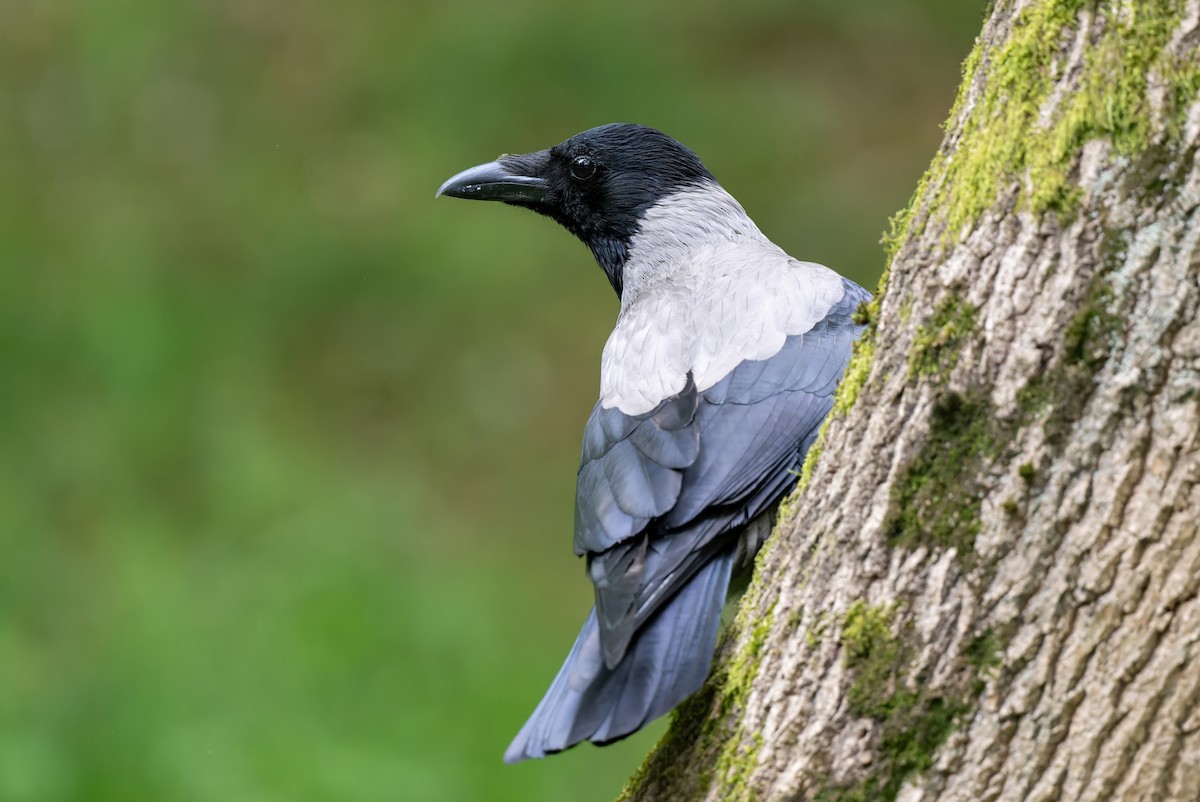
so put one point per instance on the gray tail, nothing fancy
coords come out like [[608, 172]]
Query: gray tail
[[667, 661]]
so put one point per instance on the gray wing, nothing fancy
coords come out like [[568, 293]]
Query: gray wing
[[659, 494], [631, 470]]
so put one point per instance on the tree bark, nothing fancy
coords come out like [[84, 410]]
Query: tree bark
[[987, 586]]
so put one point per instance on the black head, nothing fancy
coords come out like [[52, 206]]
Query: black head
[[597, 184]]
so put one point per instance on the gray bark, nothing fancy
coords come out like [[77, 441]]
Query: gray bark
[[988, 586]]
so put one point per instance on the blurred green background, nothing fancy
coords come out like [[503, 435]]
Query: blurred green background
[[287, 448]]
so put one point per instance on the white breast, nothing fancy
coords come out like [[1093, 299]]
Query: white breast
[[704, 290]]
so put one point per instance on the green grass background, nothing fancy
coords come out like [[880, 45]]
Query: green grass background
[[287, 448]]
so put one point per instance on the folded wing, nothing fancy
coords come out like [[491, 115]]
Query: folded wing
[[659, 494]]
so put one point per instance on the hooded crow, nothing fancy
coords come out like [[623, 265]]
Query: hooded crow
[[713, 385]]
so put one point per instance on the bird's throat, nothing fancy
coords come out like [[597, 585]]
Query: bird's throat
[[611, 253]]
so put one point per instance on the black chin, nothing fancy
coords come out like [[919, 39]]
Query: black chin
[[611, 255]]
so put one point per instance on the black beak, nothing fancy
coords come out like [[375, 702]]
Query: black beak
[[494, 181]]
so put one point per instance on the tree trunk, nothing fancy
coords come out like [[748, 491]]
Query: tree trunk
[[987, 586]]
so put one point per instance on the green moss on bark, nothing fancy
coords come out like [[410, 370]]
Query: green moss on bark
[[668, 766], [740, 671], [939, 342], [913, 721], [702, 746], [937, 498], [1060, 394], [860, 364], [738, 755], [983, 651], [1017, 133], [806, 471], [874, 654]]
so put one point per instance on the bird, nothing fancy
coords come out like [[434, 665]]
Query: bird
[[714, 383]]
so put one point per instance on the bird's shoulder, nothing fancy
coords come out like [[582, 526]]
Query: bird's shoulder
[[728, 303], [698, 446]]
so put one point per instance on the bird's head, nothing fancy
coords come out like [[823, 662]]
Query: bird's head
[[599, 185]]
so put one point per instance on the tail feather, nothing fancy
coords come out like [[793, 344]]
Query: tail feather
[[667, 661]]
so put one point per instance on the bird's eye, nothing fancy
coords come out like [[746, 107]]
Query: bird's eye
[[582, 168]]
